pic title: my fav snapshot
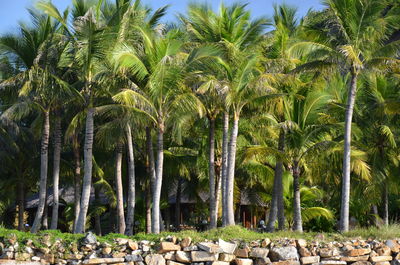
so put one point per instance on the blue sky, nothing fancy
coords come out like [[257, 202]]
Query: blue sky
[[12, 11]]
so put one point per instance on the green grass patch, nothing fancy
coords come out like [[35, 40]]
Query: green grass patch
[[232, 233]]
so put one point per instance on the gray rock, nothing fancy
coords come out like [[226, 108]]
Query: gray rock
[[283, 253], [183, 256], [227, 247], [210, 247], [89, 238], [259, 253], [203, 256], [133, 258], [155, 259]]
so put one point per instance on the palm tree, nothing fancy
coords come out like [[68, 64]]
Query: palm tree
[[354, 36], [232, 30]]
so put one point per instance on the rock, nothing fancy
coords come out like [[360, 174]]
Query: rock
[[73, 256], [227, 247], [46, 240], [263, 261], [28, 250], [155, 259], [183, 256], [362, 263], [382, 263], [332, 262], [310, 259], [380, 258], [12, 238], [286, 262], [44, 250], [133, 245], [383, 251], [218, 263], [133, 258], [328, 252], [121, 241], [170, 255], [242, 252], [283, 253], [393, 245], [103, 260], [259, 253], [118, 254], [353, 259], [186, 242], [170, 262], [226, 257], [35, 258], [106, 250], [7, 255], [395, 262], [358, 252], [168, 246], [203, 256], [301, 243], [304, 252], [191, 248], [265, 243], [210, 247], [89, 238], [240, 261], [22, 256]]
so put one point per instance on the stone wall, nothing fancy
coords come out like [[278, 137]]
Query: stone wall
[[173, 251]]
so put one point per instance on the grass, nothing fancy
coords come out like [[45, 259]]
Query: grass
[[228, 233]]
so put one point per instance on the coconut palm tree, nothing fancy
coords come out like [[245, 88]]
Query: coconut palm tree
[[354, 36]]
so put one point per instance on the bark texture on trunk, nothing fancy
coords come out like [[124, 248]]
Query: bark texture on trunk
[[45, 224], [158, 183], [120, 194], [44, 150], [148, 210], [273, 210], [297, 221], [21, 204], [217, 194], [56, 173], [231, 171], [88, 166], [131, 184], [344, 211], [386, 203], [77, 180], [211, 173], [224, 165], [279, 182]]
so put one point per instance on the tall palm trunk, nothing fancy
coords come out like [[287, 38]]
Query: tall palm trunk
[[44, 150], [178, 199], [21, 204], [151, 167], [157, 185], [45, 223], [77, 179], [231, 170], [224, 165], [217, 193], [344, 211], [211, 173], [56, 173], [148, 210], [120, 195], [88, 166], [386, 203], [131, 185], [297, 222], [273, 210], [279, 182]]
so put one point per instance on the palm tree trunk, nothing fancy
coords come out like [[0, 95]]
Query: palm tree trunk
[[279, 182], [148, 210], [56, 173], [231, 170], [88, 166], [344, 211], [217, 194], [273, 210], [211, 173], [77, 180], [297, 222], [386, 203], [131, 185], [21, 204], [45, 223], [44, 149], [224, 165], [120, 194], [158, 183], [178, 205], [151, 166]]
